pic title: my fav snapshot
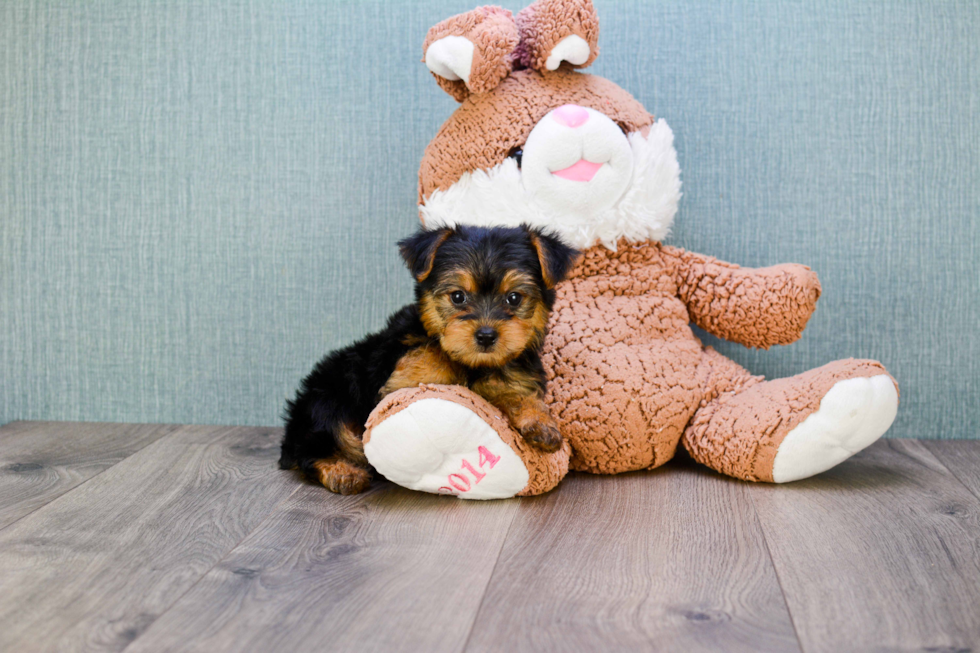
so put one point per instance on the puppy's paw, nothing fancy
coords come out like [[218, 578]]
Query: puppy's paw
[[542, 436], [341, 476]]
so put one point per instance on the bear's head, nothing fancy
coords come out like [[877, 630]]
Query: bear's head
[[536, 142]]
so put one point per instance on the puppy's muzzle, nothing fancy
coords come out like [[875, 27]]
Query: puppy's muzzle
[[486, 337]]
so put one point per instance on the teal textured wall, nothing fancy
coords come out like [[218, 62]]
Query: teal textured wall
[[198, 199]]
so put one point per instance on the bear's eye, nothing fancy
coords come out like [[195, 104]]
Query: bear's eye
[[517, 154], [458, 297], [514, 299]]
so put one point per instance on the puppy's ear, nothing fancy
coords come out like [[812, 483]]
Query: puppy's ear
[[555, 256], [419, 250]]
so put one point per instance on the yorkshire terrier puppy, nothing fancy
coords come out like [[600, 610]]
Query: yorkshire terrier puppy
[[483, 298]]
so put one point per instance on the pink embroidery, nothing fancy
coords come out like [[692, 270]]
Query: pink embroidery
[[486, 456], [459, 483], [459, 486], [476, 474]]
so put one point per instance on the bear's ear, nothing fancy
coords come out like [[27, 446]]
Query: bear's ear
[[555, 256], [471, 52], [553, 31], [419, 250]]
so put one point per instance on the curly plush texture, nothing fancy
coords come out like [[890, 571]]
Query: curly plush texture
[[545, 23], [739, 432], [494, 35], [755, 308], [627, 378], [627, 374], [545, 470], [484, 130]]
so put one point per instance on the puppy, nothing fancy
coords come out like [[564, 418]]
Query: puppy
[[483, 298]]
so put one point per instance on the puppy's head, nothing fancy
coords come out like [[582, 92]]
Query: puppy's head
[[486, 293]]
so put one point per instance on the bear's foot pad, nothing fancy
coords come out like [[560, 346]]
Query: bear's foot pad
[[439, 446], [853, 414]]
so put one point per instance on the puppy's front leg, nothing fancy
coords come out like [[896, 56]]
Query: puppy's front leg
[[532, 418], [529, 416], [521, 398], [425, 364]]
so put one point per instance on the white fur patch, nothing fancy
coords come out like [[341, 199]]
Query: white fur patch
[[497, 197], [853, 414], [553, 146], [573, 49], [434, 445]]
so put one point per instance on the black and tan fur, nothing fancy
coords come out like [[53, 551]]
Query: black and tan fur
[[483, 298]]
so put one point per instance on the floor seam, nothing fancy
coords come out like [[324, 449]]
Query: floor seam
[[775, 569], [68, 491], [949, 471], [493, 571]]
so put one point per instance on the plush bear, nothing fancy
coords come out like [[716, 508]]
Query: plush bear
[[536, 142]]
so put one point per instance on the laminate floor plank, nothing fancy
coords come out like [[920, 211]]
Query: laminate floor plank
[[40, 461], [672, 559], [961, 457], [171, 538], [390, 570], [93, 568], [881, 553]]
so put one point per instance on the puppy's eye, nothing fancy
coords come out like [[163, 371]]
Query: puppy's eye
[[514, 299], [458, 297], [517, 154]]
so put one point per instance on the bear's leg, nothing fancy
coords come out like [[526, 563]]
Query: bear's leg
[[788, 429], [449, 440]]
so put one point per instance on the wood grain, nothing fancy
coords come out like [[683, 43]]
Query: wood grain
[[671, 559], [154, 538], [392, 570], [879, 553], [93, 568], [961, 458], [40, 461]]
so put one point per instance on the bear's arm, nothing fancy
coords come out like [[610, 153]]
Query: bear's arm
[[755, 307]]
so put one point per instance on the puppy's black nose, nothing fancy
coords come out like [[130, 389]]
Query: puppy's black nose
[[486, 336]]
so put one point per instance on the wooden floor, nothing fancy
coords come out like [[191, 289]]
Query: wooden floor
[[165, 538]]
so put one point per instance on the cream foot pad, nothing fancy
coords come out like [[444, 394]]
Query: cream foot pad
[[448, 440], [853, 414]]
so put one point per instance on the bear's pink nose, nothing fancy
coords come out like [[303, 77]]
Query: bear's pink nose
[[570, 115]]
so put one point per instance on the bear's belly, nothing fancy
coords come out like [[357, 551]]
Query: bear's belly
[[622, 379]]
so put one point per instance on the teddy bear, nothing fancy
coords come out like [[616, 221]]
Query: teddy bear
[[534, 141]]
